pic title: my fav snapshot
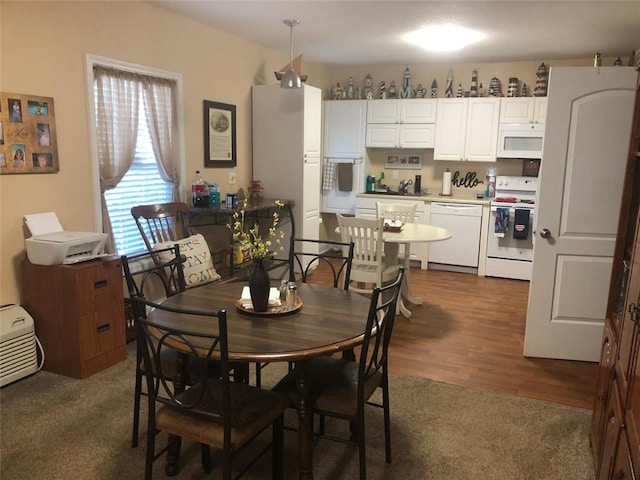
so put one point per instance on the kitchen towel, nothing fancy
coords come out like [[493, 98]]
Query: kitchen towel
[[446, 183], [502, 221], [521, 224], [329, 175], [345, 177]]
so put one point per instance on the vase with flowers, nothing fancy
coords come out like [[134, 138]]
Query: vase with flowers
[[259, 246]]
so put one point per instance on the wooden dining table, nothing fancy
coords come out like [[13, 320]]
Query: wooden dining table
[[329, 320]]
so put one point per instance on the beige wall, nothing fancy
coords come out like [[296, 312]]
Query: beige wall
[[43, 53]]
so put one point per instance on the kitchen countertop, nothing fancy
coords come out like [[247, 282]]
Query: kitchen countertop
[[461, 197]]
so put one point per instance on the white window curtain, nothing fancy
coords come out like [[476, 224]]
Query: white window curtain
[[117, 101]]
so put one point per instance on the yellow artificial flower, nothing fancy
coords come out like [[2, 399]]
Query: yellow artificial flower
[[259, 245]]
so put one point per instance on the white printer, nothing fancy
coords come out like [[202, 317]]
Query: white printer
[[49, 244]]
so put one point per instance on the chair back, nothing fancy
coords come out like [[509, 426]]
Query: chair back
[[208, 395], [162, 222], [404, 213], [366, 235], [377, 334], [304, 258], [153, 275]]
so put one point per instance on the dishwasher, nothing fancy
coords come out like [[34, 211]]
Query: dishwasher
[[463, 221]]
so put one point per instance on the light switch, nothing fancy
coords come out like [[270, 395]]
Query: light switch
[[232, 178], [394, 174]]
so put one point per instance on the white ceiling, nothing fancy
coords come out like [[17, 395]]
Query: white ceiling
[[367, 32]]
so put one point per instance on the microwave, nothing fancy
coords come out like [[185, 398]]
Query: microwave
[[520, 140]]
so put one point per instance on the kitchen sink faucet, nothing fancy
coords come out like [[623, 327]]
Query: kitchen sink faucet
[[404, 184]]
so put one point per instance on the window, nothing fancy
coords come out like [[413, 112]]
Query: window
[[142, 184], [134, 109]]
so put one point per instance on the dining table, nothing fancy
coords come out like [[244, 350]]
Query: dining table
[[324, 321], [407, 234]]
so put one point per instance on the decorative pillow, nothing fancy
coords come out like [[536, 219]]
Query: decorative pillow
[[198, 264]]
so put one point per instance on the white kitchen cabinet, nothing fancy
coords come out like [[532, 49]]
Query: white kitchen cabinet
[[366, 208], [381, 135], [344, 128], [344, 142], [467, 129], [286, 150], [409, 110], [401, 123], [523, 110]]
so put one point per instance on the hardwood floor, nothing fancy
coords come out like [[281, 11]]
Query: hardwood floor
[[470, 331]]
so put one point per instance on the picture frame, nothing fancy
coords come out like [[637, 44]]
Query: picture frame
[[405, 162], [28, 136], [219, 121]]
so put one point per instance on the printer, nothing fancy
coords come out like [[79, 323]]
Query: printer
[[49, 244]]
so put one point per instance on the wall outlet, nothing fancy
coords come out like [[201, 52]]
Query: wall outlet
[[232, 178], [394, 174]]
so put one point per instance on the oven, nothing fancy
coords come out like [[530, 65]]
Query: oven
[[510, 237]]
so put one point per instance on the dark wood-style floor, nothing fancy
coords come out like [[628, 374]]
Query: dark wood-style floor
[[470, 331]]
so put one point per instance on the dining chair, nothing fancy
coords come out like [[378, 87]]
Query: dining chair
[[368, 269], [156, 275], [305, 257], [165, 223], [401, 212], [341, 388], [215, 412]]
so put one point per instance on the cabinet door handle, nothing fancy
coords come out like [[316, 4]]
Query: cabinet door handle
[[100, 284], [103, 328]]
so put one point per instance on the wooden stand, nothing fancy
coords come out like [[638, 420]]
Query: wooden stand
[[78, 311]]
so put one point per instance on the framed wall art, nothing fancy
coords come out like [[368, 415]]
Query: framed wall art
[[27, 134], [219, 135], [407, 162]]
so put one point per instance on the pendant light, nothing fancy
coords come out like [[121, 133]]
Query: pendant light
[[291, 79]]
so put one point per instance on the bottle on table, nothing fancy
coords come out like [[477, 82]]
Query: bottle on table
[[198, 190], [214, 196]]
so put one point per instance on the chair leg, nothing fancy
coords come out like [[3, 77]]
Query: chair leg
[[278, 449], [361, 447], [387, 418], [258, 375], [136, 408], [206, 457]]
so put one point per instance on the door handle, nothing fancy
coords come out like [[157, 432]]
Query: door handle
[[545, 233]]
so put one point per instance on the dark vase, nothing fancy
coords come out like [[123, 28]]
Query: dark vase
[[259, 286]]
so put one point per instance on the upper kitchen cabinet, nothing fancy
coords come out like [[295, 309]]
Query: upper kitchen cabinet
[[414, 110], [287, 134], [344, 128], [467, 129], [401, 123], [523, 110]]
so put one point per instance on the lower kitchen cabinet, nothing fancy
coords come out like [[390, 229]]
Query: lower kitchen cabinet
[[78, 311], [615, 443]]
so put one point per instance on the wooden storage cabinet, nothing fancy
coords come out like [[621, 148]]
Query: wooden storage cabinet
[[78, 312], [615, 442]]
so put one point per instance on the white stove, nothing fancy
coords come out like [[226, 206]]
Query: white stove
[[510, 236]]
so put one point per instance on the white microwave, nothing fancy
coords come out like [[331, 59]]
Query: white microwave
[[520, 140]]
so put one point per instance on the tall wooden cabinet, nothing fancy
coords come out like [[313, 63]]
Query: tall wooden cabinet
[[287, 136], [78, 311], [615, 429]]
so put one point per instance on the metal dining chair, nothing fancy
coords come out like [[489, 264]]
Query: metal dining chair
[[341, 388], [305, 256]]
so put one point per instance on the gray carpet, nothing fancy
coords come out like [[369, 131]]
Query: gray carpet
[[55, 427]]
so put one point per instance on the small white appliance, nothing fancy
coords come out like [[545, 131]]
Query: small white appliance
[[18, 356], [520, 140], [509, 243], [49, 244]]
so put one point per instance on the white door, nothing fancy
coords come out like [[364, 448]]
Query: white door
[[583, 163]]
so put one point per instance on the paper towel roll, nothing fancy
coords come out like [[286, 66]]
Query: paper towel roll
[[446, 182]]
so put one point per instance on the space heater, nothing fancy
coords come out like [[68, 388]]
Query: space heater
[[18, 357]]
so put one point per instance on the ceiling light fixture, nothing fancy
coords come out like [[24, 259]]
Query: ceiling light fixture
[[443, 38], [291, 79]]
